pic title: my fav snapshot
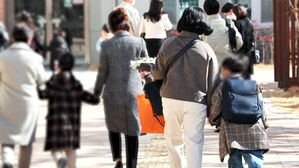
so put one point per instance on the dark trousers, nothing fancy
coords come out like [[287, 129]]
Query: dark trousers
[[132, 144], [153, 46]]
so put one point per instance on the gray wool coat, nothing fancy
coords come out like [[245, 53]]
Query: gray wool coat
[[119, 84]]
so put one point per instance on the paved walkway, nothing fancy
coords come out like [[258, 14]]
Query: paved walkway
[[283, 133], [95, 149]]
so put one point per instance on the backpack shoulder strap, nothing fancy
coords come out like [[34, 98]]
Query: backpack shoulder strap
[[228, 23], [180, 53]]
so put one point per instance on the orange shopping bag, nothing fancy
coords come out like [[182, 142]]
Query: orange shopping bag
[[149, 122]]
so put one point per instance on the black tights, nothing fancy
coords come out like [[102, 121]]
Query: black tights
[[132, 144]]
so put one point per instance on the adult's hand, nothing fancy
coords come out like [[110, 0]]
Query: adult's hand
[[145, 67], [210, 122]]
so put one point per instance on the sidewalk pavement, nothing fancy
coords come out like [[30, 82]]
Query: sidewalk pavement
[[95, 148], [283, 134]]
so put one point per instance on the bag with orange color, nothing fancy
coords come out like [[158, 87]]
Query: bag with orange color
[[150, 123]]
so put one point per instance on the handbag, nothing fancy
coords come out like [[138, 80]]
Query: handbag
[[256, 57], [149, 123], [152, 89], [232, 36]]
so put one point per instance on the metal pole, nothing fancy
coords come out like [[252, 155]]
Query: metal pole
[[10, 14], [87, 31], [49, 26]]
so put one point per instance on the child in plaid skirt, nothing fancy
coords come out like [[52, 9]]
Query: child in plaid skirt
[[65, 94]]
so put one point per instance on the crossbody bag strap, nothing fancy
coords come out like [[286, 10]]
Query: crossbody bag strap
[[179, 54]]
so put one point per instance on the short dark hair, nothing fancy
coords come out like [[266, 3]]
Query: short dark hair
[[240, 11], [105, 28], [21, 33], [66, 62], [194, 20], [118, 20], [236, 64], [211, 7], [227, 7]]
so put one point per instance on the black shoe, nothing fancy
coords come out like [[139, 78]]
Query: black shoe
[[119, 164], [62, 163], [7, 166], [217, 130], [131, 163]]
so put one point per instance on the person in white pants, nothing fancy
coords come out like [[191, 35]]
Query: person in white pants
[[185, 87], [188, 119]]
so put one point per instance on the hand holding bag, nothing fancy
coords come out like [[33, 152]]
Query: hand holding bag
[[152, 91]]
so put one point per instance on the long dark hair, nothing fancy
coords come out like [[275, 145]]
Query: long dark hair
[[155, 11]]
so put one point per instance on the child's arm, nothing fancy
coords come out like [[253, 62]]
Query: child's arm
[[264, 117], [43, 93], [90, 98], [215, 110]]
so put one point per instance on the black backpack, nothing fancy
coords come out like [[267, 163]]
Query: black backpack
[[232, 36]]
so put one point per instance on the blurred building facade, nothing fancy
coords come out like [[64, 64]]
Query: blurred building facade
[[83, 19]]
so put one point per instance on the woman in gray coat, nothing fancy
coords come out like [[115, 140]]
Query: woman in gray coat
[[122, 85]]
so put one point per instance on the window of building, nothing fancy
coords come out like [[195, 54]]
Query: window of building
[[66, 16], [183, 4], [37, 10], [267, 11]]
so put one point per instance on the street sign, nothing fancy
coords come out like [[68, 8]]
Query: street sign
[[68, 3]]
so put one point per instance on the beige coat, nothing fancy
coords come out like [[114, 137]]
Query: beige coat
[[21, 71]]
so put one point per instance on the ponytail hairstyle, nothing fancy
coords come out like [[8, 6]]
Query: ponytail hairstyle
[[118, 20]]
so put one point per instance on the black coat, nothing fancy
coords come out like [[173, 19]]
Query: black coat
[[58, 47], [65, 95], [246, 29]]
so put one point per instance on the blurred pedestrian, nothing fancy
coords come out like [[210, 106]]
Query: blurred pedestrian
[[21, 71], [227, 10], [58, 47], [186, 84], [105, 35], [245, 27], [4, 37], [221, 38], [122, 85], [65, 94], [244, 138], [133, 16], [154, 25], [26, 18]]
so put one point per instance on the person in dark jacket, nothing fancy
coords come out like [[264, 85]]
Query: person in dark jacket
[[65, 94], [246, 29], [58, 47]]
